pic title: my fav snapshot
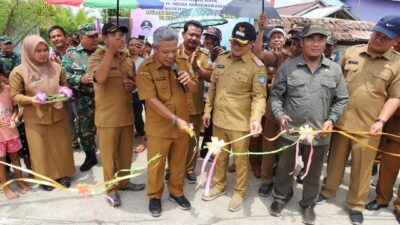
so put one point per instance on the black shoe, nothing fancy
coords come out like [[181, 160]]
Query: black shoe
[[374, 170], [308, 214], [89, 162], [133, 187], [397, 216], [46, 187], [114, 200], [191, 178], [298, 177], [265, 190], [322, 199], [374, 206], [289, 195], [155, 207], [181, 201], [276, 207], [166, 176], [65, 181], [356, 217]]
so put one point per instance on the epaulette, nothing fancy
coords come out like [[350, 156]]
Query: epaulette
[[184, 57], [70, 49], [257, 61], [224, 52], [205, 50], [147, 61]]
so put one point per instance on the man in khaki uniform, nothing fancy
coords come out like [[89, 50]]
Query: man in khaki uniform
[[389, 168], [237, 98], [373, 82], [166, 116], [113, 84]]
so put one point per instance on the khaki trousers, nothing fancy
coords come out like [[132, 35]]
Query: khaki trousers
[[192, 152], [242, 162], [389, 169], [116, 144], [173, 150], [362, 159], [267, 171]]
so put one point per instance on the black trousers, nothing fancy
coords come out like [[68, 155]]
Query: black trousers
[[137, 111]]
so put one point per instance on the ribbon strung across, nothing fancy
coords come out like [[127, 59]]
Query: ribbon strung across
[[305, 133]]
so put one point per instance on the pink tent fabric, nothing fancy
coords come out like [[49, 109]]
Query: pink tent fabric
[[66, 2]]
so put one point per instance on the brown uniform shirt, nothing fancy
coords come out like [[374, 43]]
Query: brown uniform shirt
[[113, 102], [237, 92], [38, 114], [370, 83], [156, 81], [195, 100]]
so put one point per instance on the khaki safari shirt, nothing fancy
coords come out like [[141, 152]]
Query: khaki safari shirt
[[113, 103], [195, 100], [157, 81], [37, 114], [237, 91], [370, 83], [309, 98]]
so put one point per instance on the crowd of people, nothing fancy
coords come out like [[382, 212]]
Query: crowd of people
[[299, 80]]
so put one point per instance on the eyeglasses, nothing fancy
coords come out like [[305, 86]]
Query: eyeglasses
[[236, 43]]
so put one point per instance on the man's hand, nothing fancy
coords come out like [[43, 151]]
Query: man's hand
[[376, 129], [4, 123], [216, 51], [284, 123], [86, 79], [262, 21], [129, 85], [184, 77], [327, 125], [255, 128], [181, 124], [115, 46], [193, 59], [206, 119]]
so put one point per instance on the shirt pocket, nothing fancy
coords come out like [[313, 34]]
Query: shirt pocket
[[327, 88], [162, 86], [350, 70], [240, 82], [296, 87], [377, 82]]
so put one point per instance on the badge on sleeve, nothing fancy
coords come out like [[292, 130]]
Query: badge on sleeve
[[262, 79]]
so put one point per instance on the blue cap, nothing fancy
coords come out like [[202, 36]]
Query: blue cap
[[389, 25]]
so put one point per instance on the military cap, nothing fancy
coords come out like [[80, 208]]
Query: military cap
[[87, 29]]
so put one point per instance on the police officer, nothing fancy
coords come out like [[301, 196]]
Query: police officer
[[74, 64], [113, 76], [308, 89], [8, 58], [237, 98], [373, 82], [166, 116]]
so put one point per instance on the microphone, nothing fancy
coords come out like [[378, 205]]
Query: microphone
[[174, 68]]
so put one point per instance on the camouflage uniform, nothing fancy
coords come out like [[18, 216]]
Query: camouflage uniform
[[8, 61], [74, 64]]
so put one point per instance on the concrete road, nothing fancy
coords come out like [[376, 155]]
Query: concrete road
[[57, 207]]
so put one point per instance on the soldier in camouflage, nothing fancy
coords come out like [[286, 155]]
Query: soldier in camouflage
[[8, 58], [74, 64]]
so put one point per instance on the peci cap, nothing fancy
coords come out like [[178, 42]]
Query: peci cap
[[276, 30], [111, 27], [87, 29], [243, 32], [314, 28], [389, 25], [213, 31]]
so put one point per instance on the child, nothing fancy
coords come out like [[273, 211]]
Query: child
[[9, 141]]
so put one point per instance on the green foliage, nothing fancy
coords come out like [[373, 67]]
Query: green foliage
[[107, 13], [20, 18]]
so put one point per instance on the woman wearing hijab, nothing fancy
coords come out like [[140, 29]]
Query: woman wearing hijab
[[46, 125]]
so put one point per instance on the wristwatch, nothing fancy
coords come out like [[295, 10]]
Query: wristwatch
[[381, 120], [174, 119]]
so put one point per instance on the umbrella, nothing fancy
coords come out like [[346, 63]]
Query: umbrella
[[250, 8], [65, 2], [207, 17]]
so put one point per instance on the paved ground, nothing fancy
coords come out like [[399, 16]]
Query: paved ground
[[57, 207]]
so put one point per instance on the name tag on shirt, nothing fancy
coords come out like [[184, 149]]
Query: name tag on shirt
[[161, 78]]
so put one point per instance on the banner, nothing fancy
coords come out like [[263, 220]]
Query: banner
[[145, 21]]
